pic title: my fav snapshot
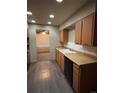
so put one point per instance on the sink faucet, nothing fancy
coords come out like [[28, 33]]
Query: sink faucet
[[70, 49]]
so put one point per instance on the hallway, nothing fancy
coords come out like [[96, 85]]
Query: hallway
[[46, 77], [43, 56]]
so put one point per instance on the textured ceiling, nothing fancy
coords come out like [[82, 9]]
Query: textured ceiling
[[62, 11]]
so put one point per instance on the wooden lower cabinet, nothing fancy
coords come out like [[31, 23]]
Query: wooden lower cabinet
[[60, 60], [85, 78], [76, 78], [57, 56]]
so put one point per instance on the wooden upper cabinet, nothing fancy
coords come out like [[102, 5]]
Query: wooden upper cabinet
[[64, 36], [78, 32], [89, 30]]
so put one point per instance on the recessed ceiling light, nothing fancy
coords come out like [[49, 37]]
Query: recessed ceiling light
[[51, 16], [29, 13], [33, 21], [49, 22], [59, 1]]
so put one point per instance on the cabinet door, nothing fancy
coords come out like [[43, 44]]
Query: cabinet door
[[76, 78], [88, 30], [62, 62], [57, 57], [64, 36], [60, 59], [78, 32], [61, 36], [88, 78]]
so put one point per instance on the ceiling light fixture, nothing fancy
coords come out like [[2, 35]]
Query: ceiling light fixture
[[51, 16], [59, 1], [49, 22], [29, 13], [43, 33], [33, 21]]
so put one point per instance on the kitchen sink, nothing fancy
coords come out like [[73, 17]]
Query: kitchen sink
[[69, 51]]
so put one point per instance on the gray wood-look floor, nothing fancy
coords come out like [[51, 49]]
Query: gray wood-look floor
[[43, 56], [46, 77]]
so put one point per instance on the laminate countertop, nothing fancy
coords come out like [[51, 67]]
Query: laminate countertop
[[77, 57]]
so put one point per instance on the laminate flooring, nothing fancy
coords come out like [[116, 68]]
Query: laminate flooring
[[46, 77], [44, 56]]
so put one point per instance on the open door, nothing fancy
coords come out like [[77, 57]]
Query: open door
[[42, 44]]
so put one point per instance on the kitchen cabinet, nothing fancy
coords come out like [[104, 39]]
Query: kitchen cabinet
[[64, 36], [76, 78], [85, 78], [78, 32], [60, 60], [57, 56], [82, 77], [89, 32], [86, 31]]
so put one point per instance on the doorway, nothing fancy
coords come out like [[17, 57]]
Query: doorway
[[42, 44]]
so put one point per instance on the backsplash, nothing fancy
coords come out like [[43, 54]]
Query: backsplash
[[85, 49]]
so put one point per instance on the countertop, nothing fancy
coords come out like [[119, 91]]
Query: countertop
[[77, 57]]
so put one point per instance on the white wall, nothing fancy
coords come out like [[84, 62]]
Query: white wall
[[84, 49], [54, 40]]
